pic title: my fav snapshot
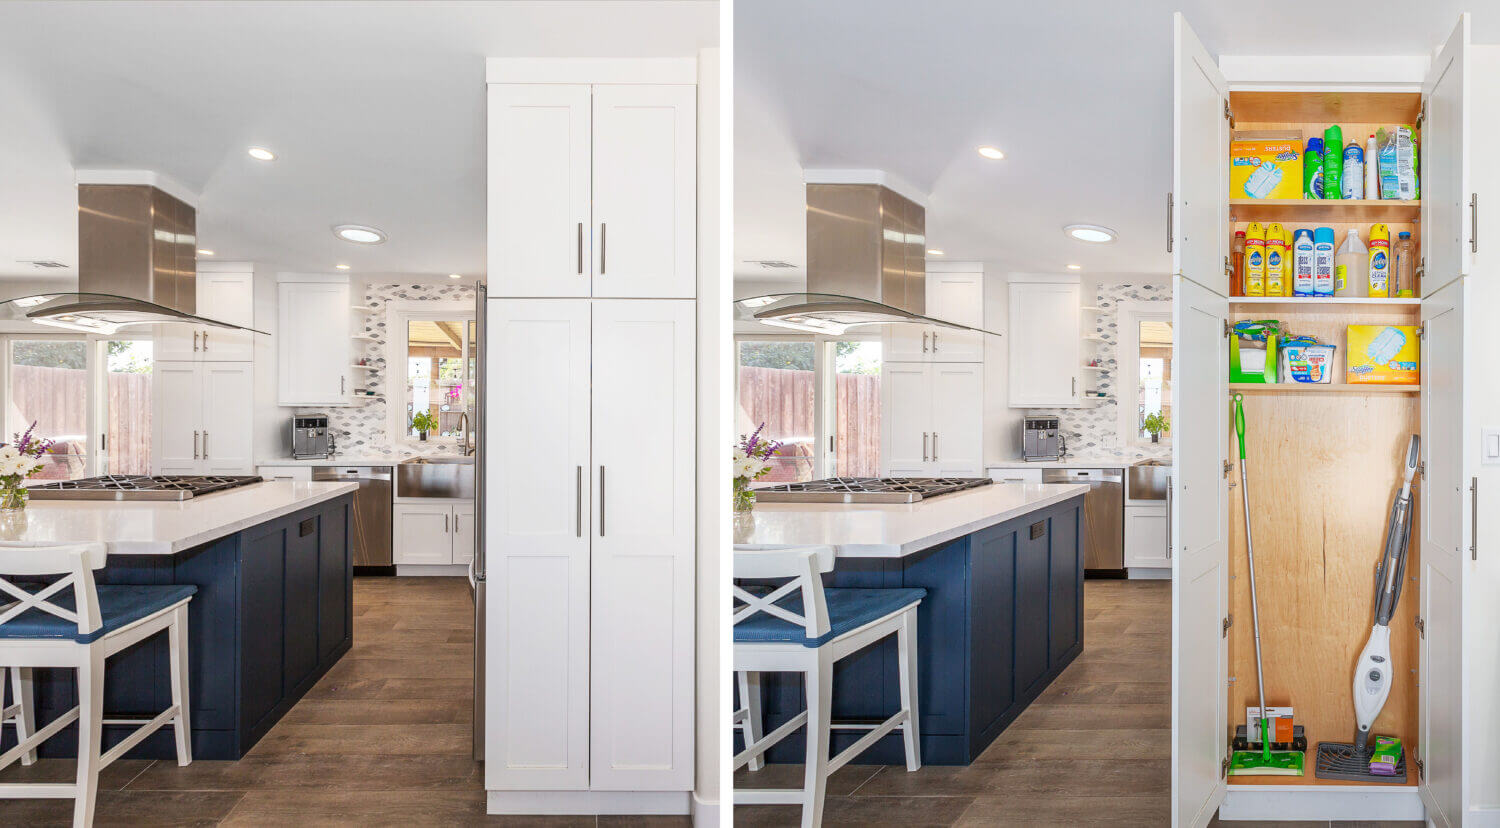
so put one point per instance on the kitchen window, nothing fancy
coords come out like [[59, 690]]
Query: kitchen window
[[434, 351], [1145, 369]]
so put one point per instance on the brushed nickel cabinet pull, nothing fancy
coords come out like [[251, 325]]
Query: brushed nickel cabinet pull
[[578, 502], [1169, 222], [195, 444], [205, 445], [445, 524], [601, 501], [195, 342], [934, 447], [924, 447], [934, 342], [924, 342], [603, 246], [205, 342], [1473, 222], [580, 248], [1474, 518], [1169, 517]]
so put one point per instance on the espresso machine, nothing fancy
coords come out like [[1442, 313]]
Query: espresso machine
[[1041, 439], [310, 437]]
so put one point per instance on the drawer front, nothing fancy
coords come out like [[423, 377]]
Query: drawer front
[[1016, 475]]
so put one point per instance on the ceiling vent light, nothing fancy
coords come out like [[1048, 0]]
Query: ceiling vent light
[[933, 251], [205, 252], [454, 276], [359, 233], [1092, 233], [342, 266], [992, 153], [261, 154], [1075, 267]]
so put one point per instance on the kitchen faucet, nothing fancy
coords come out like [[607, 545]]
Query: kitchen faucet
[[464, 446]]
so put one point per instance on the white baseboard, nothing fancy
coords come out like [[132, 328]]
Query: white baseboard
[[705, 813], [430, 570], [574, 803], [1322, 802], [1142, 573]]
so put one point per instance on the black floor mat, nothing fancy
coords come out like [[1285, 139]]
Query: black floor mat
[[1339, 760]]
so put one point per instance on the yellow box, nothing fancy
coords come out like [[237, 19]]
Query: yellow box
[[1383, 354], [1265, 169]]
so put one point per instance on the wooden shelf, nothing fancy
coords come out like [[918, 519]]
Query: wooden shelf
[[1095, 368], [1313, 304], [1252, 108], [364, 367], [365, 310], [1091, 309], [1321, 388], [364, 337], [1094, 338], [1284, 210]]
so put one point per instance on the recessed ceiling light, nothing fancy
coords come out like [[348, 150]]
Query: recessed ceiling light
[[261, 154], [454, 276], [1075, 267], [1090, 233], [992, 153], [933, 251], [359, 233], [205, 252], [342, 266]]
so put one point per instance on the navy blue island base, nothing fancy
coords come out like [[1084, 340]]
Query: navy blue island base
[[272, 614], [1002, 618]]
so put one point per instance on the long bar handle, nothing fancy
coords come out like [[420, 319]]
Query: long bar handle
[[924, 342], [1169, 222], [1169, 518], [603, 247], [601, 501], [1474, 518], [1473, 222], [205, 445], [205, 342], [578, 502], [195, 342], [934, 342], [445, 524], [580, 248], [195, 444], [934, 446], [924, 447]]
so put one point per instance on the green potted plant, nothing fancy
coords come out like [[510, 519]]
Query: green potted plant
[[1155, 423], [423, 422]]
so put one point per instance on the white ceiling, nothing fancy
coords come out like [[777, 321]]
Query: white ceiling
[[1078, 94], [375, 109]]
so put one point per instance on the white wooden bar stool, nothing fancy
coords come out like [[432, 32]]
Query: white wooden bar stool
[[800, 627], [79, 628]]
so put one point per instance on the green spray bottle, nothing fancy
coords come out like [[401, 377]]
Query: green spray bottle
[[1333, 162], [1312, 168]]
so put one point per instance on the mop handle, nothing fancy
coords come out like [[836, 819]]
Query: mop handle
[[1260, 679]]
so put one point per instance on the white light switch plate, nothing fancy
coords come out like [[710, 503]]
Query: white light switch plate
[[1489, 446]]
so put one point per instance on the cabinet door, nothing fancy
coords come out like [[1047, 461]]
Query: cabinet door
[[539, 167], [176, 342], [906, 343], [422, 534], [334, 571], [176, 418], [463, 534], [957, 406], [262, 578], [226, 297], [1044, 345], [645, 191], [1146, 537], [959, 298], [1032, 599], [536, 456], [905, 411], [300, 647], [1065, 578], [1198, 235], [1448, 224], [228, 396], [641, 670], [313, 352]]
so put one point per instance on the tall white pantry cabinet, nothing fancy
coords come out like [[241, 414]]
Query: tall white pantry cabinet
[[1446, 663], [591, 450]]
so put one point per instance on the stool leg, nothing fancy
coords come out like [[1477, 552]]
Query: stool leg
[[177, 643], [906, 647], [90, 731], [21, 693], [750, 698], [819, 734]]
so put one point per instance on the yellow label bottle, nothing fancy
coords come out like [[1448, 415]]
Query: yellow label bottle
[[1275, 260], [1255, 260], [1380, 261]]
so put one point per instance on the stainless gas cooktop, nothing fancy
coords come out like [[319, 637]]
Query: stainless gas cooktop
[[867, 489], [138, 487]]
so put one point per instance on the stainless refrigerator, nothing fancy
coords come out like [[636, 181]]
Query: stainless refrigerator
[[477, 563]]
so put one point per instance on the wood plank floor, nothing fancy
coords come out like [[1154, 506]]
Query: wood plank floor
[[1094, 748], [383, 739]]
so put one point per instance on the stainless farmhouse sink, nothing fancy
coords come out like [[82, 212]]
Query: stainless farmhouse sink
[[450, 477], [1147, 480]]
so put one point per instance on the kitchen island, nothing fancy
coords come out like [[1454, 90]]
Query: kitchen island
[[1003, 569], [272, 614]]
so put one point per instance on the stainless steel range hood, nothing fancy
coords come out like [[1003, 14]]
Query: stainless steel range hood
[[137, 265]]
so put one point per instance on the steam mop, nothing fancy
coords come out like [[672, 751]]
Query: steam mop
[[1266, 761], [1372, 674]]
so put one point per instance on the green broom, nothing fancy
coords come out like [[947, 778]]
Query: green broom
[[1263, 762]]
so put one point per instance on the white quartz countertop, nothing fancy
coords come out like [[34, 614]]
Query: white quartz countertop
[[165, 528], [1091, 460], [340, 460], [864, 530]]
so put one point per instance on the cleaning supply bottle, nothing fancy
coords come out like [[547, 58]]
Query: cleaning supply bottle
[[1351, 268], [1354, 171], [1403, 282], [1372, 170], [1237, 271], [1302, 263], [1333, 162], [1312, 169], [1275, 260], [1323, 261], [1380, 261], [1255, 260]]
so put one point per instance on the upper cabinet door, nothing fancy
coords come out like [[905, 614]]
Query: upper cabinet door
[[1448, 220], [644, 410], [539, 169], [1045, 345], [226, 297], [1199, 231], [536, 456], [645, 191], [313, 353], [959, 298]]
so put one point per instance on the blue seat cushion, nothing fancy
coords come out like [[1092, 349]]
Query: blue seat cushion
[[848, 609], [119, 606]]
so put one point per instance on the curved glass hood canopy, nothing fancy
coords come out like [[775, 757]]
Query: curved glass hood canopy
[[831, 313], [98, 313]]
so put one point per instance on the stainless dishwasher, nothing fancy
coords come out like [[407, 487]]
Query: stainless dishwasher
[[1103, 514], [372, 513]]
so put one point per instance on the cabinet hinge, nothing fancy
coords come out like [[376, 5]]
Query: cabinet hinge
[[1422, 116], [1228, 466], [1421, 770], [1228, 113], [1422, 469], [1224, 767], [1228, 622], [1421, 333], [1227, 271], [1226, 328], [1421, 627]]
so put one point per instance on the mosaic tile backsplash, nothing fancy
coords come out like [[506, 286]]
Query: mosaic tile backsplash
[[1096, 427], [363, 429]]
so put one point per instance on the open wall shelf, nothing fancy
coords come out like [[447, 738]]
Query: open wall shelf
[[1321, 388]]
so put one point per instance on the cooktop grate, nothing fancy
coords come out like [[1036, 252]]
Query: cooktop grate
[[867, 489], [138, 487]]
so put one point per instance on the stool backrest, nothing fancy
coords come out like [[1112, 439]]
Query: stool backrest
[[75, 562], [803, 566]]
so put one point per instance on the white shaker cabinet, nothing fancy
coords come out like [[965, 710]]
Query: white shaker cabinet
[[433, 533], [313, 353], [200, 421], [1146, 537], [932, 419], [953, 296], [225, 293], [1045, 345]]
